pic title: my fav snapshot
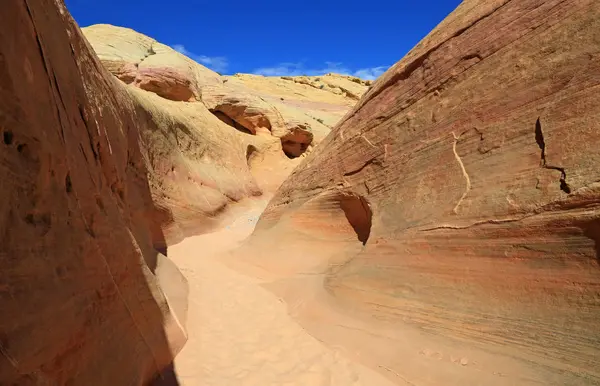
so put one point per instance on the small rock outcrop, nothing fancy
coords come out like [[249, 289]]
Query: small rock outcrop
[[142, 61], [477, 155]]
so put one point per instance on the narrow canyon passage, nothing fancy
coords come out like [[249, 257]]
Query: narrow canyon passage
[[241, 334]]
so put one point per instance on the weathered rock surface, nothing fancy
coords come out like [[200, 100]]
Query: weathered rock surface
[[148, 64], [209, 140], [471, 172], [198, 165], [80, 294], [297, 110]]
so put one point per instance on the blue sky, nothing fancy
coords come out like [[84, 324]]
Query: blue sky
[[272, 37]]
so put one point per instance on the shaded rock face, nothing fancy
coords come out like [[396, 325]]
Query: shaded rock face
[[477, 155], [348, 86], [79, 274], [197, 164], [296, 142]]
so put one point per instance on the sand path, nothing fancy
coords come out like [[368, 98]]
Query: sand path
[[241, 334]]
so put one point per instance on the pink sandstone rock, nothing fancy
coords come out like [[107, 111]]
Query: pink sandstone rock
[[471, 172], [80, 294]]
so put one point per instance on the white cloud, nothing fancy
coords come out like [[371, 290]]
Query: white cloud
[[298, 69], [215, 63], [371, 73]]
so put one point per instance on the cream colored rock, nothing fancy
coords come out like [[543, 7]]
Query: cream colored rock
[[200, 130], [198, 165], [148, 64], [298, 102], [347, 86], [298, 111]]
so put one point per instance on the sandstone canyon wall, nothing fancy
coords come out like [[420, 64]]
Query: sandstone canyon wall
[[455, 211], [80, 281], [276, 119], [212, 140], [105, 162]]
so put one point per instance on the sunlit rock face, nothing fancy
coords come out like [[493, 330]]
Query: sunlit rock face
[[476, 159]]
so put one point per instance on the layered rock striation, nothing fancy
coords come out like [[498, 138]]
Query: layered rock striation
[[81, 282], [470, 172]]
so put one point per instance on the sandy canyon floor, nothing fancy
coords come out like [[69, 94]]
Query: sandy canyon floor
[[240, 333]]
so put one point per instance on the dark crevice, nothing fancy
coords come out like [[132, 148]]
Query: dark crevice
[[592, 231], [375, 161], [37, 38], [563, 183], [380, 119], [471, 56], [359, 215], [482, 149], [88, 132], [117, 189], [68, 184], [100, 204], [60, 120], [293, 149], [83, 152], [90, 231], [250, 150], [62, 129], [62, 101], [539, 139], [231, 122], [42, 222], [97, 153], [7, 137], [130, 161], [367, 188]]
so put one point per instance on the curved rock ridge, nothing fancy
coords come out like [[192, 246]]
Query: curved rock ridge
[[299, 111], [142, 61], [85, 297], [197, 164], [335, 83], [198, 127], [477, 159]]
